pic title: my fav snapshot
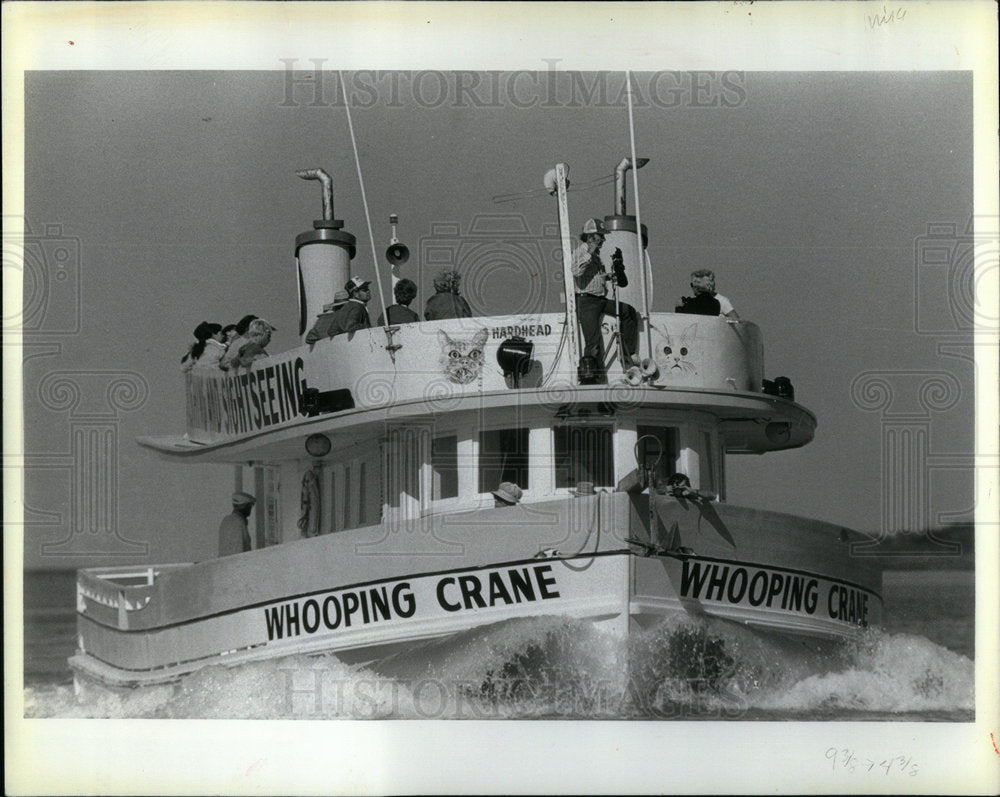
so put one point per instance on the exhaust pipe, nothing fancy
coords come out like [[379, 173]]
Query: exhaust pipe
[[620, 170], [326, 185]]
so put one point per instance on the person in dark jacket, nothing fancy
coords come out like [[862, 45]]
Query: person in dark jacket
[[705, 300], [353, 315], [405, 292], [323, 328], [446, 303]]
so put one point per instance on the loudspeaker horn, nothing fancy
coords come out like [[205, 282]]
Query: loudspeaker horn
[[397, 253]]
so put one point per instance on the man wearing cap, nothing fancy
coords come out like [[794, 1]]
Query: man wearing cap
[[233, 534], [507, 494], [353, 315], [591, 297], [324, 321]]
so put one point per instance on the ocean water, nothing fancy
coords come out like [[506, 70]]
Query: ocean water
[[919, 666]]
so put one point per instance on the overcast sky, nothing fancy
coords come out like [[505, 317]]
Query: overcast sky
[[807, 193]]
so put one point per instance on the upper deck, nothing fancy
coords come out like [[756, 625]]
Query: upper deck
[[350, 383]]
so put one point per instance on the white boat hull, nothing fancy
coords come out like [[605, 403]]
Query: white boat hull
[[333, 593]]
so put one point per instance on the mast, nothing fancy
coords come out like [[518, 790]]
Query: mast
[[638, 222], [569, 284]]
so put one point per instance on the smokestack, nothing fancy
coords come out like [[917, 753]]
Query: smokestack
[[323, 255]]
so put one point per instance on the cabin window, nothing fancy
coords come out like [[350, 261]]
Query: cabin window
[[362, 494], [503, 457], [444, 467], [707, 463], [584, 453], [346, 506], [330, 501], [650, 455]]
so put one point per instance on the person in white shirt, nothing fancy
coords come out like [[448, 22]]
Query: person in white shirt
[[703, 281]]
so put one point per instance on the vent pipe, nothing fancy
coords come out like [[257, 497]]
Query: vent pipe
[[620, 170]]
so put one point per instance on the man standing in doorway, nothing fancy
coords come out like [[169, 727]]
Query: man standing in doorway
[[234, 537]]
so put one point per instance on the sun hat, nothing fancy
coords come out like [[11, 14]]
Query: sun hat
[[338, 299], [509, 492]]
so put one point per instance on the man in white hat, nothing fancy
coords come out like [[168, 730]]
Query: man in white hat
[[591, 280], [234, 537], [507, 494], [353, 315]]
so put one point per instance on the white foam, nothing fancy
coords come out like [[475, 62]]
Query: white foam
[[558, 667]]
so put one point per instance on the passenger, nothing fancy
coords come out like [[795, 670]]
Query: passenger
[[679, 481], [208, 337], [215, 350], [257, 337], [679, 486], [405, 292], [234, 537], [591, 298], [233, 352], [507, 494], [324, 321], [446, 303], [706, 301], [353, 315]]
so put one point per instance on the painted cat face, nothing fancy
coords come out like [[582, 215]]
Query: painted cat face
[[462, 360], [675, 355]]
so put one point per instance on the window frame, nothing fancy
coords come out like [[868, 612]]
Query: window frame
[[477, 457], [609, 422]]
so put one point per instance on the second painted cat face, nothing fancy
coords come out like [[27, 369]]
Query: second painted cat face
[[676, 354]]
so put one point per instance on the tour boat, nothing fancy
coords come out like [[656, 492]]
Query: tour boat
[[374, 456]]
